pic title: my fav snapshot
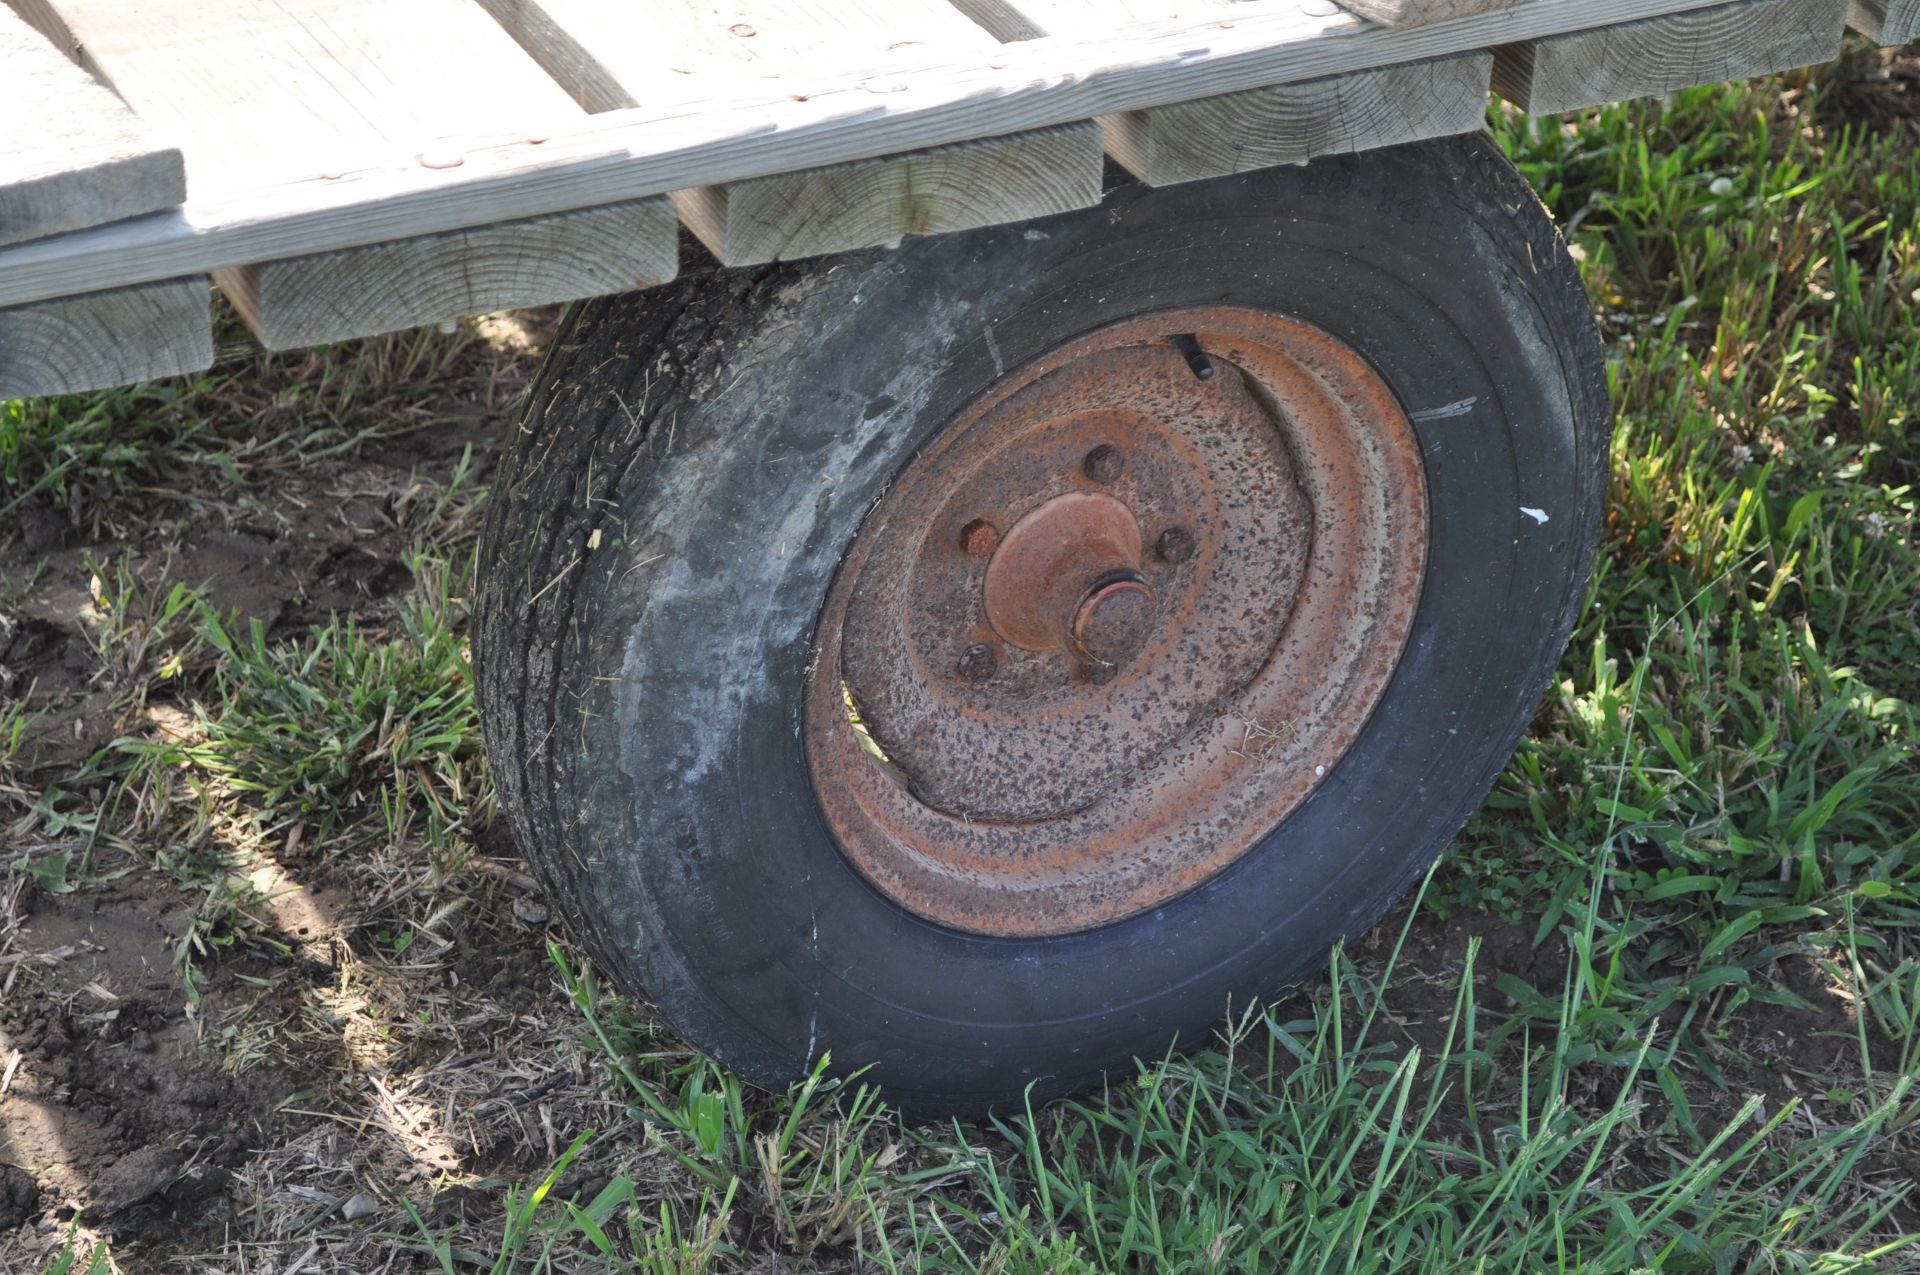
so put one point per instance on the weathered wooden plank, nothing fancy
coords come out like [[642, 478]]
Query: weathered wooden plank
[[1414, 13], [1888, 21], [1058, 17], [876, 204], [311, 300], [660, 52], [757, 131], [258, 91], [1655, 56], [1283, 124], [103, 339], [1033, 19], [612, 56], [1293, 123], [71, 153], [294, 89]]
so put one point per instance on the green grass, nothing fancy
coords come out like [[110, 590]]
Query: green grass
[[344, 722], [1305, 1145], [70, 449], [1724, 784], [1737, 715], [76, 454], [370, 736]]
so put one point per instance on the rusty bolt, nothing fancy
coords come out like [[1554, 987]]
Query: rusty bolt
[[979, 538], [1104, 463], [1174, 545], [978, 663]]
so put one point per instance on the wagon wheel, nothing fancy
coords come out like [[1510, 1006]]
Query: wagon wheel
[[980, 661]]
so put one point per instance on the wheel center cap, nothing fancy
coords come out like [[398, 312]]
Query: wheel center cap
[[1114, 621], [1066, 577]]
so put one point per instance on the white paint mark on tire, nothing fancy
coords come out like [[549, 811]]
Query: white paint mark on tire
[[1538, 515], [1451, 410]]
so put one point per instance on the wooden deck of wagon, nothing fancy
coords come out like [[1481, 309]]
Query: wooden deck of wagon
[[352, 167]]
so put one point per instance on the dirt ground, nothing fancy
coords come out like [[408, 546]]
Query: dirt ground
[[285, 1094], [319, 1073]]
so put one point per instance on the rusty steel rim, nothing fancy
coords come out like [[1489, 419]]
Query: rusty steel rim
[[1118, 620]]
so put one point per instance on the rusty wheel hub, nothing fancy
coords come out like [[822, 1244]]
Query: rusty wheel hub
[[1117, 621], [1067, 577]]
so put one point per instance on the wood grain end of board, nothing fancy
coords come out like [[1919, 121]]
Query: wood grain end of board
[[355, 292], [71, 154], [1656, 56], [1294, 123], [1891, 22], [877, 203], [1418, 13], [99, 340]]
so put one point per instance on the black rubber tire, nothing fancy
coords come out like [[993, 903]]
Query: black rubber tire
[[696, 460]]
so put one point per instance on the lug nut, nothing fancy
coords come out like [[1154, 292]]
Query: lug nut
[[979, 538], [1104, 463], [1174, 545], [978, 663], [1197, 361]]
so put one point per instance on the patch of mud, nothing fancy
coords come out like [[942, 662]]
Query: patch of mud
[[48, 667], [116, 1108]]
